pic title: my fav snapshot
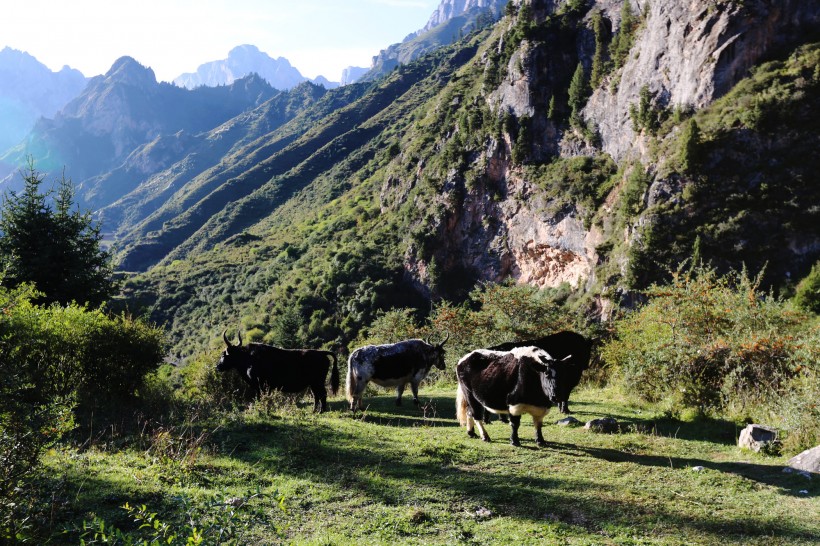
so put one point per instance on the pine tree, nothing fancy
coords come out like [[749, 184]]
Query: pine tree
[[577, 94], [690, 147], [622, 42], [599, 64], [51, 244]]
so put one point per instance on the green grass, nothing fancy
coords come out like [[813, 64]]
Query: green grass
[[412, 476]]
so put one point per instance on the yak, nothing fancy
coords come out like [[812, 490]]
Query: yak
[[392, 365], [512, 383], [265, 367], [560, 345]]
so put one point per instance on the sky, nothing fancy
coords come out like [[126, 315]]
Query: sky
[[318, 37]]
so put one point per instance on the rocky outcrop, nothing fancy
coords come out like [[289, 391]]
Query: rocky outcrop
[[452, 19], [449, 9], [688, 54]]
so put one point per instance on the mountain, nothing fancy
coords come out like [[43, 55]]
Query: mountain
[[690, 132], [352, 74], [242, 61], [122, 110], [29, 90], [588, 148], [451, 20]]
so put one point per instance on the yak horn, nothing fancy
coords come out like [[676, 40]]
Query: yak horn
[[444, 340], [225, 338], [239, 333]]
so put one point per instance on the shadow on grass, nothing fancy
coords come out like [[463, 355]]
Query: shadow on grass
[[430, 473], [453, 478], [772, 475]]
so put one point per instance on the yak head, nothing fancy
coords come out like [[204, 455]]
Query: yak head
[[438, 352], [233, 356]]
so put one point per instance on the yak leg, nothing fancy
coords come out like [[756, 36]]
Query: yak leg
[[539, 436], [399, 393], [515, 422], [415, 388], [563, 407], [476, 414], [356, 395], [471, 426], [482, 430], [319, 397]]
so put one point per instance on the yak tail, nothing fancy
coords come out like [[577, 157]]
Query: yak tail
[[334, 373], [461, 406]]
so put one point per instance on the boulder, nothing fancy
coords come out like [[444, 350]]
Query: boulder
[[808, 461], [606, 425], [757, 437], [569, 422]]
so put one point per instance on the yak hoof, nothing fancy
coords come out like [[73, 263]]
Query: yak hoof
[[472, 434], [416, 401], [541, 443], [515, 442], [486, 439], [398, 401]]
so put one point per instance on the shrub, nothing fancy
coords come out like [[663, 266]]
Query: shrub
[[500, 312], [807, 294], [713, 344], [220, 520], [52, 360]]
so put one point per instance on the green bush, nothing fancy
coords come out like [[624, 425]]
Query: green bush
[[715, 344], [807, 294], [55, 359]]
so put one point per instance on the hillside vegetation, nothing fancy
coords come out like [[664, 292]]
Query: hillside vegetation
[[412, 189]]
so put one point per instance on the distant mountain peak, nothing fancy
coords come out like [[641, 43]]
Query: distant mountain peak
[[30, 90], [243, 60], [128, 71]]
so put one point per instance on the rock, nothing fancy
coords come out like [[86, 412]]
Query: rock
[[483, 513], [808, 461], [606, 425], [569, 422], [698, 468], [757, 437]]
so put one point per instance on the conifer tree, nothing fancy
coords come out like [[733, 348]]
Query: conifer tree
[[46, 241], [599, 64], [577, 94], [690, 147]]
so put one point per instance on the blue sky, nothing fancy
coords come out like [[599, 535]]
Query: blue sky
[[176, 36]]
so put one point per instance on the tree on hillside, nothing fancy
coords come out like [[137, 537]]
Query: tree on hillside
[[47, 241], [577, 94]]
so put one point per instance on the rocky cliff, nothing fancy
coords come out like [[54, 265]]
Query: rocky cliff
[[685, 55], [451, 20]]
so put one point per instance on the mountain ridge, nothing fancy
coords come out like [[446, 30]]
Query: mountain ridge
[[242, 61]]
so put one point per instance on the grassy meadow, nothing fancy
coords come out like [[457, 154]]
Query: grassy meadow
[[278, 474]]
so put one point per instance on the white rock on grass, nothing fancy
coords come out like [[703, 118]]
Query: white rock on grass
[[808, 461]]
